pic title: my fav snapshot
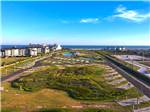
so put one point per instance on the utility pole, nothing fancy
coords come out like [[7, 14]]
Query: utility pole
[[132, 64], [6, 71], [133, 107], [138, 102], [131, 58], [143, 56], [14, 68]]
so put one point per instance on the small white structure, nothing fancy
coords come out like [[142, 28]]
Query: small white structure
[[58, 47], [46, 50], [121, 48]]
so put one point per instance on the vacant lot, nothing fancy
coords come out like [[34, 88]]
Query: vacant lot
[[145, 63], [10, 60], [42, 90], [24, 63], [76, 81], [60, 87], [20, 100], [45, 100]]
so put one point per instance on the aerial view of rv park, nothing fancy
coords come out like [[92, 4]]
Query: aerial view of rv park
[[78, 73]]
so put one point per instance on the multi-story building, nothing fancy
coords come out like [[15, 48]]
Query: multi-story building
[[15, 52], [23, 52], [2, 53], [8, 52], [40, 50], [33, 51]]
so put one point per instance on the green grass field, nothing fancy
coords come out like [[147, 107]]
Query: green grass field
[[145, 63], [6, 70], [58, 87], [64, 110], [76, 81], [45, 100], [11, 60]]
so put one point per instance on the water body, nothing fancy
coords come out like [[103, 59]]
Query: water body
[[82, 46], [103, 47], [12, 46]]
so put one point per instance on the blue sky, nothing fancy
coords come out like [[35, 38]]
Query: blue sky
[[76, 23]]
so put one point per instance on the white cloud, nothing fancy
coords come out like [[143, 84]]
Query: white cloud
[[89, 20], [120, 8], [82, 20], [131, 15]]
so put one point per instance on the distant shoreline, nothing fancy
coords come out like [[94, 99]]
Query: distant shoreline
[[87, 47]]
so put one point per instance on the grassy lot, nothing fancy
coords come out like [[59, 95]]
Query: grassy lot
[[10, 60], [65, 110], [131, 66], [13, 68], [145, 63], [54, 88], [14, 100], [76, 81], [79, 82], [81, 110]]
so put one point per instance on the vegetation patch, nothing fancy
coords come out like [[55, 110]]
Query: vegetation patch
[[76, 81], [9, 110], [81, 110], [53, 110], [98, 110], [11, 60]]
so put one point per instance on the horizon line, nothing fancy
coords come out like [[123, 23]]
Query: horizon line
[[77, 45]]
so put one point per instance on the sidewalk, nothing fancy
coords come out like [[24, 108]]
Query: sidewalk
[[146, 109], [133, 101]]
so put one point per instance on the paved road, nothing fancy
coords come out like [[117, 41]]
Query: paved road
[[146, 109], [134, 101], [136, 63], [142, 83], [143, 68], [126, 86], [23, 70], [115, 82]]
